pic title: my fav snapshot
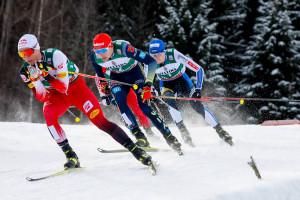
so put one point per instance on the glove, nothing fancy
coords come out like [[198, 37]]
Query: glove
[[146, 92], [34, 73], [104, 88], [153, 93], [44, 71], [195, 93], [105, 100]]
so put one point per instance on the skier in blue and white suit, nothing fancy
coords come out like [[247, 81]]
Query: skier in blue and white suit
[[171, 66]]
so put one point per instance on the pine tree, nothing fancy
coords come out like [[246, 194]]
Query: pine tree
[[230, 16], [186, 27], [209, 50], [294, 12], [273, 65], [175, 25]]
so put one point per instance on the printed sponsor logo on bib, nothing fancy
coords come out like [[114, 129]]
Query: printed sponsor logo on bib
[[60, 66], [87, 106], [72, 78], [94, 113], [49, 61], [62, 75]]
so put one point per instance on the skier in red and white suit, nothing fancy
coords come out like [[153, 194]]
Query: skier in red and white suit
[[47, 74]]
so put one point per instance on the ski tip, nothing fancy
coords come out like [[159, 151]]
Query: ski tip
[[152, 168], [100, 150], [29, 179]]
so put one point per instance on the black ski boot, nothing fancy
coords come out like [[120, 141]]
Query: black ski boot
[[138, 153], [72, 158], [173, 143], [223, 134], [141, 138], [186, 136]]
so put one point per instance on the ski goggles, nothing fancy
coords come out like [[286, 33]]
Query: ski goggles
[[156, 54], [27, 52], [103, 50]]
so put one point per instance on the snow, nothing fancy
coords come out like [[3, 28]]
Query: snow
[[211, 170]]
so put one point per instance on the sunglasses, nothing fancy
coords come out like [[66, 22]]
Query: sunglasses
[[103, 51], [156, 54], [27, 52]]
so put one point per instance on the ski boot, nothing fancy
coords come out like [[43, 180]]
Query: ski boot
[[139, 153], [223, 134], [186, 136], [173, 143], [72, 158], [141, 139]]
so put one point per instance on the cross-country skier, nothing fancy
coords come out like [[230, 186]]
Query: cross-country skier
[[132, 102], [123, 62], [46, 73], [174, 81]]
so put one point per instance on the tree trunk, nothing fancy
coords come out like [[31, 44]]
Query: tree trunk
[[38, 37], [6, 29]]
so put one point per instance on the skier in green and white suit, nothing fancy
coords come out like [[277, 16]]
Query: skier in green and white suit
[[123, 62], [174, 81]]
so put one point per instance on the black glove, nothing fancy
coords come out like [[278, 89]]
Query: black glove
[[105, 88], [105, 100], [44, 71], [24, 73], [195, 93]]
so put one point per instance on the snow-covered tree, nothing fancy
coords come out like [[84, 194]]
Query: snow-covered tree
[[294, 12], [230, 16], [186, 27], [273, 68], [209, 50], [175, 26]]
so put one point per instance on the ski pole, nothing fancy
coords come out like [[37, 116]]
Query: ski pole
[[182, 98], [253, 99], [77, 119], [221, 99], [104, 79], [158, 110], [163, 101]]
